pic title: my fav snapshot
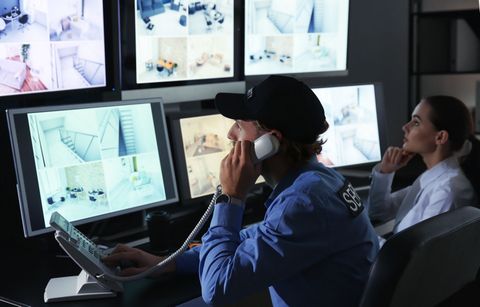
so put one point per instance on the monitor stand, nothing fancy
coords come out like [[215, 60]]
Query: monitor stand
[[73, 288]]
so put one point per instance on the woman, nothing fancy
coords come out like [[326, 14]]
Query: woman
[[441, 132]]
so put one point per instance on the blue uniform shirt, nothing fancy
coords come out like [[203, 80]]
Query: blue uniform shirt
[[310, 250]]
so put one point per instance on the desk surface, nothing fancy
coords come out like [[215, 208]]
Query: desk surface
[[25, 275]]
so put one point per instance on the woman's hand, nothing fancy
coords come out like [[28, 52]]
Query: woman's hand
[[138, 261], [394, 159]]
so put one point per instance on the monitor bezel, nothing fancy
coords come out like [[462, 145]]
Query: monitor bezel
[[174, 91], [111, 88], [381, 112], [21, 172]]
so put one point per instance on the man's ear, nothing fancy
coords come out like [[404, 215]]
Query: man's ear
[[442, 137], [277, 134]]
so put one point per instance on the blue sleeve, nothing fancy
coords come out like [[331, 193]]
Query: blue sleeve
[[231, 268], [188, 261], [249, 232]]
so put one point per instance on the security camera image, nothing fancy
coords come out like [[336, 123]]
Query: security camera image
[[205, 17], [271, 53], [209, 56], [51, 46], [76, 192], [96, 161], [353, 136], [64, 138], [162, 59], [184, 40], [317, 30]]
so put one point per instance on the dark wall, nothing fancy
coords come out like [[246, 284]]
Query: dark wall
[[10, 227]]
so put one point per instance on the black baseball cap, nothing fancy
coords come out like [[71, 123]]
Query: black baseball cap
[[278, 102]]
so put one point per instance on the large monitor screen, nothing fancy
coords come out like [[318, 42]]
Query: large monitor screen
[[295, 36], [48, 45], [90, 162], [181, 50], [202, 143], [356, 133], [183, 40]]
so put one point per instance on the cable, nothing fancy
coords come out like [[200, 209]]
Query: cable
[[183, 248]]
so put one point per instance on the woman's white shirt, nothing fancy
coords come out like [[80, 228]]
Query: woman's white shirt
[[441, 188]]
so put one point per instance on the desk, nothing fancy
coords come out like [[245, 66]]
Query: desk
[[26, 273]]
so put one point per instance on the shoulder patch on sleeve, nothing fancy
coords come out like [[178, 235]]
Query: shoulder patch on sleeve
[[350, 199]]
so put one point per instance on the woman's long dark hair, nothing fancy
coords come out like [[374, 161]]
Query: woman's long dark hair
[[450, 114]]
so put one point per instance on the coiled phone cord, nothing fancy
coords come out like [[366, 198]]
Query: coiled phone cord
[[179, 251]]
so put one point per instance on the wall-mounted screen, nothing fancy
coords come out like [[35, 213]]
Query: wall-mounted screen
[[295, 36], [180, 50], [356, 132], [183, 40], [90, 162], [48, 45], [200, 143]]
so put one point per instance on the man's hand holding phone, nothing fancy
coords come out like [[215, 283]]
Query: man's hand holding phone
[[238, 173]]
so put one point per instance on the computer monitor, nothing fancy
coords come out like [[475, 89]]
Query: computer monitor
[[296, 36], [356, 115], [175, 43], [199, 142], [90, 161], [49, 46]]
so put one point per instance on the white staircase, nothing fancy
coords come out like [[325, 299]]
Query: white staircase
[[128, 131]]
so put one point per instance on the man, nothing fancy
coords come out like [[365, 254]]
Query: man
[[315, 244]]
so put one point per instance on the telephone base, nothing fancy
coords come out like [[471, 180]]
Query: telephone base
[[74, 288]]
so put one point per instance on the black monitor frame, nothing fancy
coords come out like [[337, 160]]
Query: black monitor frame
[[112, 71], [175, 91], [26, 172]]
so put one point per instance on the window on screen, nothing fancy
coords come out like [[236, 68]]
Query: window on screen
[[96, 161], [51, 45], [183, 40], [353, 135], [295, 36]]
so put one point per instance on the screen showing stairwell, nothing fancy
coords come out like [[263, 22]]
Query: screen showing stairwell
[[51, 45], [92, 162]]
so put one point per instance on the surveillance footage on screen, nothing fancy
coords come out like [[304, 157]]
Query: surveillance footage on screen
[[96, 161], [295, 36], [353, 136], [183, 40], [51, 45]]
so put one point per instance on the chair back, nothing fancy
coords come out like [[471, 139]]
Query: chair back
[[426, 263], [23, 19]]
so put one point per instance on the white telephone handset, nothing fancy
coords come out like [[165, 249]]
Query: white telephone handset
[[264, 147]]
